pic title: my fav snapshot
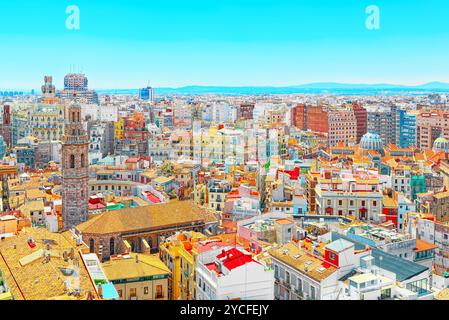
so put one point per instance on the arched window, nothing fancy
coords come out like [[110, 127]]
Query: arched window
[[83, 160], [111, 247], [92, 245], [72, 161]]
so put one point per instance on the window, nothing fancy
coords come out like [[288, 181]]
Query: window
[[374, 203], [159, 292], [111, 246], [92, 245], [145, 290], [133, 292], [72, 161], [120, 293], [83, 160]]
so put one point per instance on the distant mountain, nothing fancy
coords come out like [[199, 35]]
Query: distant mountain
[[435, 85], [309, 88]]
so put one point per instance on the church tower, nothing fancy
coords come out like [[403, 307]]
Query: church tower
[[75, 174]]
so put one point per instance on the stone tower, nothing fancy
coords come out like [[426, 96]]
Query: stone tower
[[75, 174]]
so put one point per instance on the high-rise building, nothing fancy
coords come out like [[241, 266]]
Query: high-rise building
[[361, 117], [76, 82], [430, 126], [407, 129], [76, 89], [75, 175], [342, 127], [307, 117], [146, 93], [384, 122]]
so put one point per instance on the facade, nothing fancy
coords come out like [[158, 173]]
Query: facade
[[146, 94], [407, 129], [47, 122], [383, 121], [430, 125], [75, 175], [361, 118]]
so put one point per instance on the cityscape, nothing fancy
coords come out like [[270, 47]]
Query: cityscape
[[196, 152], [223, 197]]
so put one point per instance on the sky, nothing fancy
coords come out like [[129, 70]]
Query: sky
[[173, 43]]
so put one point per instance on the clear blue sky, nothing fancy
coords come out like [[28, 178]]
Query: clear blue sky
[[126, 43]]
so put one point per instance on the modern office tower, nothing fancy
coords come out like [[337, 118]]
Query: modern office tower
[[384, 122], [76, 82], [430, 126], [75, 174], [407, 128], [76, 89], [361, 117], [146, 93]]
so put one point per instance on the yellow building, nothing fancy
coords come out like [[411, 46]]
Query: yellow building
[[119, 129], [179, 254], [47, 122], [138, 276]]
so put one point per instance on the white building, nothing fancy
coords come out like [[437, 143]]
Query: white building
[[231, 274]]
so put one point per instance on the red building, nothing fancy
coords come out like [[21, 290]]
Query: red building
[[361, 117], [313, 118], [390, 207], [245, 111], [135, 129]]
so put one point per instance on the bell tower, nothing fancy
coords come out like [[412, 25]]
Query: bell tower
[[75, 175]]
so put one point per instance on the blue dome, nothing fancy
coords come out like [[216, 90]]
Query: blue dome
[[371, 141]]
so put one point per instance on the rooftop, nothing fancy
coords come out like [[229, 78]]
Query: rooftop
[[302, 261], [27, 274], [145, 218], [134, 266]]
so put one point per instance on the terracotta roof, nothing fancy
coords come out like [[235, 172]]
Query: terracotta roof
[[145, 218], [31, 279], [424, 245]]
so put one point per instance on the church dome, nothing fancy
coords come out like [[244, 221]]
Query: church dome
[[441, 144], [371, 141]]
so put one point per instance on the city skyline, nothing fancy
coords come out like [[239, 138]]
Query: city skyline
[[263, 43]]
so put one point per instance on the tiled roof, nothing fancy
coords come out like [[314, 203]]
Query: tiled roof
[[36, 280], [145, 218]]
